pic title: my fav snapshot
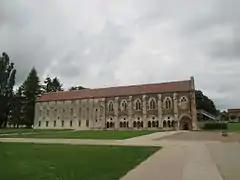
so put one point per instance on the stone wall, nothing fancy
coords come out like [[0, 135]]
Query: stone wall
[[150, 111]]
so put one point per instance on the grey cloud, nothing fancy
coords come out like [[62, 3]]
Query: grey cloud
[[227, 50], [127, 42], [98, 50]]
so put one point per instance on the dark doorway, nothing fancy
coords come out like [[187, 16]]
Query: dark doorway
[[185, 123]]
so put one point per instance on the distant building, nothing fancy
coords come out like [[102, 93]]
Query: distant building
[[234, 114], [169, 105]]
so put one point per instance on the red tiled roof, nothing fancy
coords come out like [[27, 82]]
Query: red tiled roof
[[175, 86], [233, 110]]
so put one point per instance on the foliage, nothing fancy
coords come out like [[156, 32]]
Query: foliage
[[7, 82], [215, 125], [69, 162], [205, 103], [74, 88], [52, 85], [17, 108], [31, 89]]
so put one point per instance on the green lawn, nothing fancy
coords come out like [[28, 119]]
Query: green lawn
[[84, 134], [234, 126], [23, 130], [68, 162]]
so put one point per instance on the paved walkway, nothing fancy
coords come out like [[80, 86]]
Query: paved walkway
[[177, 160]]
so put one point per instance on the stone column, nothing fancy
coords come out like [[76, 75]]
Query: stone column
[[130, 111], [102, 117], [115, 107], [144, 111], [160, 110], [193, 110], [175, 106]]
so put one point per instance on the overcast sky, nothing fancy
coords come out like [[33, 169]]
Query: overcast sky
[[99, 43]]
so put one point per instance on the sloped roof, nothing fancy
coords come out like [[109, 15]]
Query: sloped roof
[[233, 110], [175, 86]]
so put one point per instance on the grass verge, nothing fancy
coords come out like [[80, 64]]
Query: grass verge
[[83, 134], [68, 162]]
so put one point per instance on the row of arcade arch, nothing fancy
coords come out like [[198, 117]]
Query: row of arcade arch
[[185, 124]]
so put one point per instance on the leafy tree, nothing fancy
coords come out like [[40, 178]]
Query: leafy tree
[[7, 81], [205, 103], [17, 110], [74, 88], [52, 85], [31, 90]]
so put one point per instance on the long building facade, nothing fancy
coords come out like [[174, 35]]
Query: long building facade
[[169, 105]]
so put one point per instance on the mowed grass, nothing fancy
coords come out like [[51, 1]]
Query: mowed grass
[[83, 134], [68, 162], [24, 130], [233, 126]]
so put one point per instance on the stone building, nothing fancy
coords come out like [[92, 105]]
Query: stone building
[[234, 114], [169, 105]]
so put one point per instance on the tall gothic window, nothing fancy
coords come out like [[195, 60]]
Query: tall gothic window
[[168, 103], [110, 106], [152, 104], [124, 105], [138, 105]]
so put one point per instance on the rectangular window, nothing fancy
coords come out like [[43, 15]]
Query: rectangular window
[[39, 123], [62, 123], [70, 123], [46, 123], [54, 123], [87, 123], [79, 123]]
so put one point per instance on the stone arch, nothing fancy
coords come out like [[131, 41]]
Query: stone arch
[[138, 124], [168, 123], [121, 124], [134, 124], [149, 124], [185, 123], [111, 124], [108, 124], [164, 123]]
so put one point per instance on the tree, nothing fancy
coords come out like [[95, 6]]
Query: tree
[[31, 90], [74, 88], [17, 110], [52, 85], [7, 81], [203, 102]]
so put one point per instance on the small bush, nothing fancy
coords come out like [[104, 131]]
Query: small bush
[[215, 125]]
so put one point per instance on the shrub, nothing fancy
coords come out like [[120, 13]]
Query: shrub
[[215, 125]]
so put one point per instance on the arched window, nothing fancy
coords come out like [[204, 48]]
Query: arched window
[[110, 106], [152, 104], [168, 103], [124, 105], [138, 105]]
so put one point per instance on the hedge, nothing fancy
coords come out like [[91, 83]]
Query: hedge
[[215, 125]]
